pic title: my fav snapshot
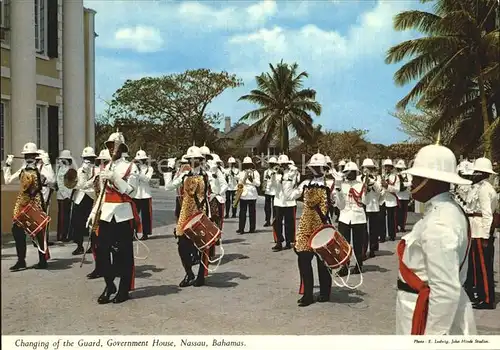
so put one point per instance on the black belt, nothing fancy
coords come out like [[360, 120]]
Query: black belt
[[405, 287]]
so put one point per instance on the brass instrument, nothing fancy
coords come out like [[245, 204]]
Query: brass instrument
[[240, 188], [71, 178]]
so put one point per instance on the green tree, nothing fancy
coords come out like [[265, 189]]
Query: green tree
[[284, 106], [455, 65], [166, 114]]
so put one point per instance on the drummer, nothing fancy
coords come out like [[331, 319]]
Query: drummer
[[317, 198], [195, 184], [29, 193]]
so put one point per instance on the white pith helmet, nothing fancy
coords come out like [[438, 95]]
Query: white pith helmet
[[194, 152], [342, 163], [117, 137], [141, 155], [400, 164], [104, 155], [247, 160], [65, 154], [317, 160], [368, 163], [88, 152], [216, 158], [30, 148], [283, 159], [351, 166], [273, 160], [436, 162], [231, 160], [328, 160], [387, 162], [205, 150], [41, 153], [465, 167], [171, 162], [291, 162], [484, 165]]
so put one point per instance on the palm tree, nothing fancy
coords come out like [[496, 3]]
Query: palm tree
[[284, 106], [455, 64]]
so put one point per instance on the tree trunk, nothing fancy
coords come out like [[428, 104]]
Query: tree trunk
[[484, 112]]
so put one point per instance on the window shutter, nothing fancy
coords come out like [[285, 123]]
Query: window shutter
[[53, 121], [52, 34]]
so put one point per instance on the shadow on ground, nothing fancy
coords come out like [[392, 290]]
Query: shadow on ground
[[224, 279]]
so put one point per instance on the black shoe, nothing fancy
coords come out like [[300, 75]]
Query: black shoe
[[199, 282], [19, 265], [287, 246], [187, 281], [104, 298], [267, 224], [226, 217], [300, 300], [93, 275], [252, 231], [65, 240], [306, 302], [392, 239], [382, 240], [233, 217], [78, 251], [343, 271], [42, 265], [144, 237], [50, 244], [120, 298], [323, 299], [483, 306], [357, 270], [277, 248], [372, 254]]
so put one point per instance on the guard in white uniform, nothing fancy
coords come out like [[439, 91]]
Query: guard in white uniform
[[338, 175], [282, 183], [403, 195], [142, 195], [390, 185], [231, 173], [117, 220], [64, 196], [433, 256], [351, 200], [218, 188], [373, 185], [482, 202], [49, 183], [250, 179], [269, 191], [83, 198]]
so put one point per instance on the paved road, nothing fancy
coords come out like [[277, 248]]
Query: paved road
[[254, 291]]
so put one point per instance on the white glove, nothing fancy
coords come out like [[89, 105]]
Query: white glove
[[106, 175], [90, 220], [212, 196], [171, 163], [9, 160], [46, 160]]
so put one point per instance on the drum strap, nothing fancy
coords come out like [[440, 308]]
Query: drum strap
[[324, 218], [38, 191]]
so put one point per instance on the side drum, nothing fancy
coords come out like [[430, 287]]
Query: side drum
[[32, 219], [201, 231], [331, 246]]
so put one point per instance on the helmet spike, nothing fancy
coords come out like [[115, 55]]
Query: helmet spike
[[438, 138]]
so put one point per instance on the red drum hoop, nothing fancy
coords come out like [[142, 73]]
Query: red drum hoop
[[32, 219], [331, 246]]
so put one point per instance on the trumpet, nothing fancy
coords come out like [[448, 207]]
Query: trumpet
[[241, 187]]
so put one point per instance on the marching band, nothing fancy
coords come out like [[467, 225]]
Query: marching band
[[109, 199]]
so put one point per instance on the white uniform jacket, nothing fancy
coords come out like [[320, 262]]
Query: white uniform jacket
[[62, 191], [283, 184], [350, 200], [338, 176], [373, 194], [250, 187], [145, 173], [48, 180], [119, 211], [435, 249], [218, 185], [482, 202], [231, 178], [391, 192], [85, 185], [405, 194], [8, 177], [268, 188]]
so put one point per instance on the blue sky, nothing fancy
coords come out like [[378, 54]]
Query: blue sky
[[340, 43]]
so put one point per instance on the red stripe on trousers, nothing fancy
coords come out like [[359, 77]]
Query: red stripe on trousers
[[484, 275]]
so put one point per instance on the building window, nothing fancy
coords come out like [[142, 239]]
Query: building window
[[42, 138], [4, 21], [40, 26], [2, 129]]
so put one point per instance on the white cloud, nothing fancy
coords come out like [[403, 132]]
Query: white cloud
[[138, 38]]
